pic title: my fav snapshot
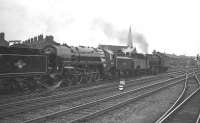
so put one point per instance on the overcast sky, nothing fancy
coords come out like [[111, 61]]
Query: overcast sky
[[171, 26]]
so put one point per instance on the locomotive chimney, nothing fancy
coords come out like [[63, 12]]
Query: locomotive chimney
[[2, 36]]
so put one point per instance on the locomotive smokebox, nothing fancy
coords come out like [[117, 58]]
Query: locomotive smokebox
[[2, 36]]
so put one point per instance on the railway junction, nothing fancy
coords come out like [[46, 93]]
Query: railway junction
[[105, 103], [42, 81]]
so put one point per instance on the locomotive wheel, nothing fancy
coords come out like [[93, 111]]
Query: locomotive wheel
[[51, 82], [9, 86], [75, 79], [88, 78], [65, 82], [19, 84], [31, 84], [98, 76], [95, 76], [27, 84], [81, 79], [91, 77], [12, 85], [69, 81], [84, 79]]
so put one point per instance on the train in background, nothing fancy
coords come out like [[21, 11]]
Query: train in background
[[134, 63], [197, 60], [41, 62]]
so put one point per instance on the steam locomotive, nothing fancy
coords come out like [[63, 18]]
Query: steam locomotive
[[198, 60], [56, 65]]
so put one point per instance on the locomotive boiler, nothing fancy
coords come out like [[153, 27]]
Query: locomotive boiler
[[76, 64]]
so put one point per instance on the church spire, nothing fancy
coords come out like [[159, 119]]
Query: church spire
[[130, 42]]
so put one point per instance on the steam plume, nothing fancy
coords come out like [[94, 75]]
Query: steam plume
[[141, 41], [121, 35]]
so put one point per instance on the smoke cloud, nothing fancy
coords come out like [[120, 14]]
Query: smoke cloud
[[139, 39], [121, 35], [21, 19], [27, 18]]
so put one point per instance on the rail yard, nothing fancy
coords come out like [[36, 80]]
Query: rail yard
[[44, 81], [94, 101], [99, 61]]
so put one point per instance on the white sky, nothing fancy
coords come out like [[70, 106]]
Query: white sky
[[172, 26]]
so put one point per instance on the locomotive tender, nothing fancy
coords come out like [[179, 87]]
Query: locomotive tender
[[51, 65]]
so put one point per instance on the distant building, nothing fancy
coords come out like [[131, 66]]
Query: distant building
[[126, 50], [113, 48], [130, 39], [39, 42], [131, 49], [3, 42]]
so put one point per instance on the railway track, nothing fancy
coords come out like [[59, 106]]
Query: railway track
[[41, 93], [31, 104], [21, 106], [27, 105], [90, 110], [187, 111], [184, 106], [16, 98]]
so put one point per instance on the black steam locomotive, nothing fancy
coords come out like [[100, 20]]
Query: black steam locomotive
[[53, 65]]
